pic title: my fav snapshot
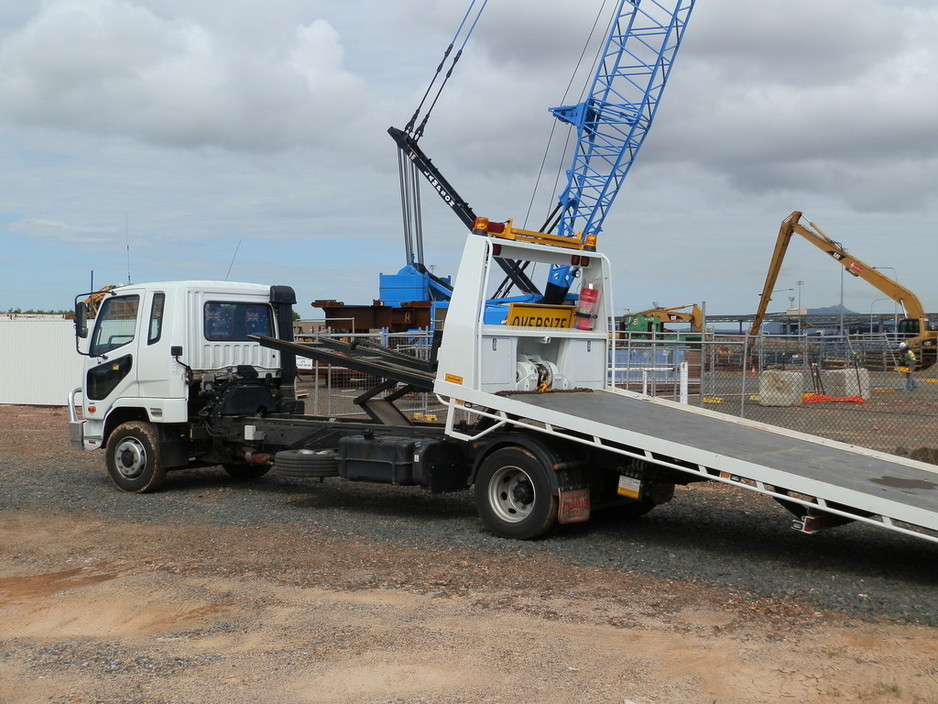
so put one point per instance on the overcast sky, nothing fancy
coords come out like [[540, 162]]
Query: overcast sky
[[181, 139]]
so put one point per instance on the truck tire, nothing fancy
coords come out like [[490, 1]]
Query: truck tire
[[307, 463], [246, 472], [513, 494], [133, 457]]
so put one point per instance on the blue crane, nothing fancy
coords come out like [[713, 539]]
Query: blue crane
[[613, 120], [611, 124], [414, 163]]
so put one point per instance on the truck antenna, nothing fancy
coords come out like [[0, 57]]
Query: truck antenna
[[233, 257], [127, 236]]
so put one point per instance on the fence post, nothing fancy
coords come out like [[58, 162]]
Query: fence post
[[683, 387], [744, 365]]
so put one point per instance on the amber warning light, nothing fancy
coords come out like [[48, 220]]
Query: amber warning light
[[484, 225]]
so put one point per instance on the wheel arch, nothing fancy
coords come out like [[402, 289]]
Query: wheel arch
[[120, 415], [566, 459], [175, 453]]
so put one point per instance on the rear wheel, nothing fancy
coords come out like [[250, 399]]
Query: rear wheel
[[133, 457], [513, 494]]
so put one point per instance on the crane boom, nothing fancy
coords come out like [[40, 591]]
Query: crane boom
[[611, 124], [915, 324], [408, 147], [613, 121]]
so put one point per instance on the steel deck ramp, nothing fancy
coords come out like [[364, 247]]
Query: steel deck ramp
[[825, 477]]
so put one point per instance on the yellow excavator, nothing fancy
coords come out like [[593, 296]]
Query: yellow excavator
[[653, 319], [914, 328]]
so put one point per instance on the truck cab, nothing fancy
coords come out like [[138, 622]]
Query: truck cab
[[161, 354]]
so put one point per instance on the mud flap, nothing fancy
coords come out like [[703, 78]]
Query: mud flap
[[573, 505]]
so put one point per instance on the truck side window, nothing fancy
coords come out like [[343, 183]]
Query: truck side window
[[117, 321], [234, 322], [257, 320], [156, 318]]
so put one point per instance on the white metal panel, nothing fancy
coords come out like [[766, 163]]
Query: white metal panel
[[473, 354], [202, 354], [460, 353], [218, 355], [40, 364]]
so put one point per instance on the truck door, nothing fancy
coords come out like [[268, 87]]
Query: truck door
[[159, 377], [111, 372]]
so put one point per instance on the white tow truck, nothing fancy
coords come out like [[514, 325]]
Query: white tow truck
[[192, 374]]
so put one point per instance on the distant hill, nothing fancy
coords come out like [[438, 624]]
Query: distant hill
[[831, 310]]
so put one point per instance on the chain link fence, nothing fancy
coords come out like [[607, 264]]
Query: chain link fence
[[846, 388], [849, 388]]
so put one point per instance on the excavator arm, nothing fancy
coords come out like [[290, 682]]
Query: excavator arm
[[692, 314], [915, 323]]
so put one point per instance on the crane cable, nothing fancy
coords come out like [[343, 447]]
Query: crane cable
[[554, 217], [418, 133], [407, 172]]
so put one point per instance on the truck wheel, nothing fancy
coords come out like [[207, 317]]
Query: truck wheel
[[513, 495], [133, 458], [246, 472]]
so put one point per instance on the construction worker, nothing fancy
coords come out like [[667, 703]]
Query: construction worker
[[908, 360]]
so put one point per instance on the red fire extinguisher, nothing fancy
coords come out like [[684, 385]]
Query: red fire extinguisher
[[589, 297]]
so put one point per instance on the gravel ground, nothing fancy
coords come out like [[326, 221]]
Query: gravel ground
[[191, 594]]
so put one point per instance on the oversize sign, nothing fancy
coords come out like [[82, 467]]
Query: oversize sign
[[531, 315]]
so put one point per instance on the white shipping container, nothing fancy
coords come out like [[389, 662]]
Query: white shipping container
[[40, 365]]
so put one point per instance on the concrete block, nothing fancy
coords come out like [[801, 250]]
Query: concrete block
[[841, 383], [780, 388]]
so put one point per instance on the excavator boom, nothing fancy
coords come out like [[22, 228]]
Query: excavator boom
[[691, 313], [916, 321]]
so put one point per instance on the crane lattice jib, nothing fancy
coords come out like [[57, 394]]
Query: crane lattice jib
[[612, 122]]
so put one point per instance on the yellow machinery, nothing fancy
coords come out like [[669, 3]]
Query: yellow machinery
[[653, 319], [914, 327], [93, 302]]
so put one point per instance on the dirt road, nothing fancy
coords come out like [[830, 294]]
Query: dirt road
[[106, 597]]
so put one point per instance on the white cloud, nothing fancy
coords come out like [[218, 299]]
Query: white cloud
[[817, 97], [207, 124], [118, 68]]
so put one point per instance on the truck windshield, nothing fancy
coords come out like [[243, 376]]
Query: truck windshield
[[116, 323], [227, 322]]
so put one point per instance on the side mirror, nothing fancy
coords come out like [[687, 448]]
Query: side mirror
[[81, 319]]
